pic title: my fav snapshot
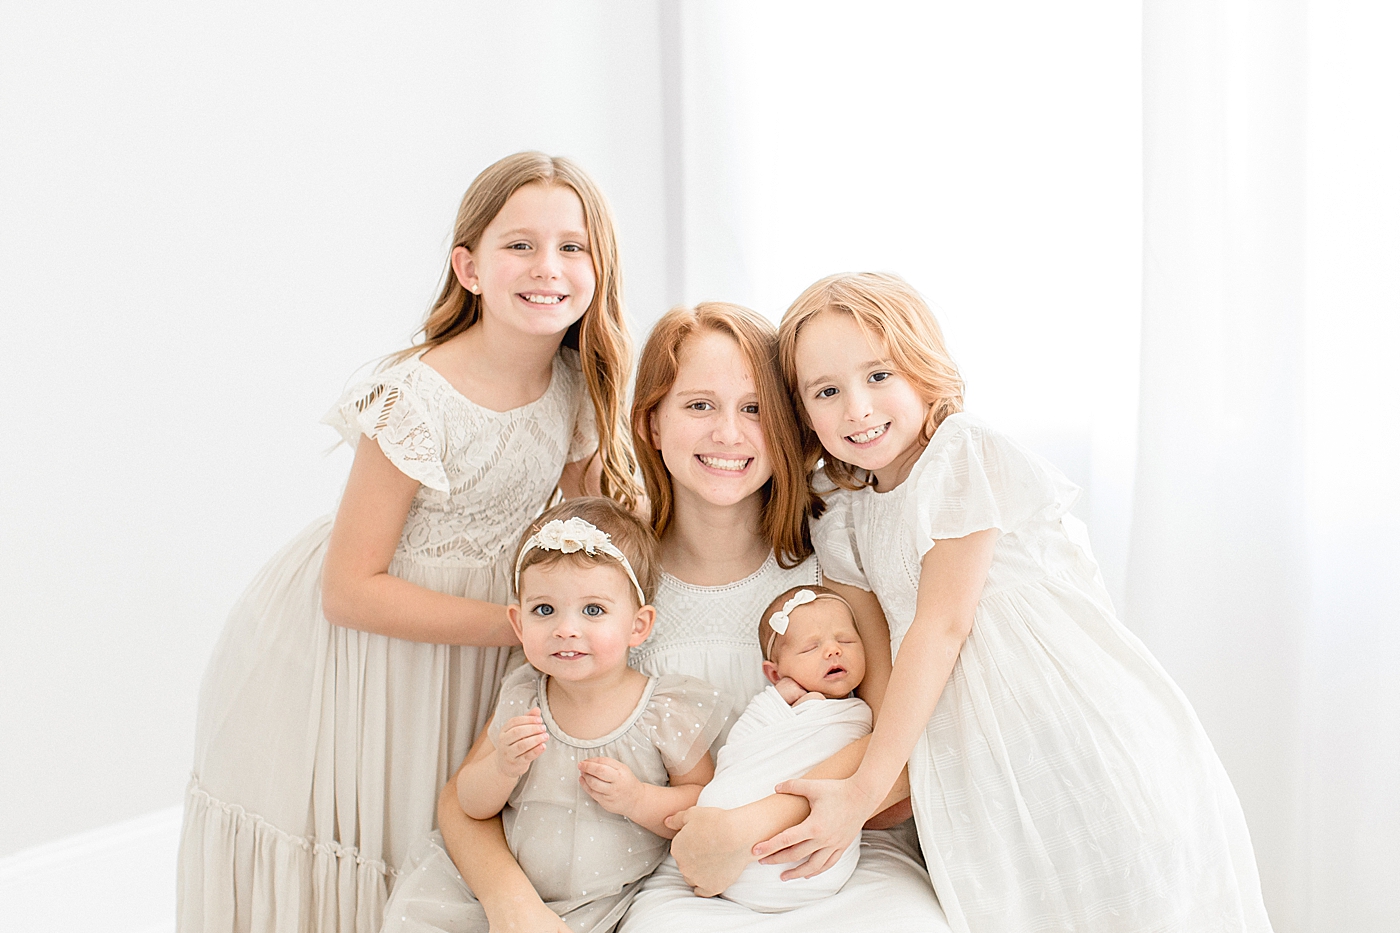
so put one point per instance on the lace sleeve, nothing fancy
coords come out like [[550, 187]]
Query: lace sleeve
[[683, 719], [974, 478], [386, 410]]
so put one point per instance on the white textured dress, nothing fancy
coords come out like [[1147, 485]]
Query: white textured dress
[[710, 633], [320, 750], [585, 862], [1063, 781]]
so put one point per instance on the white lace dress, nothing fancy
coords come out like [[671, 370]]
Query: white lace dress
[[320, 750], [1063, 782], [711, 633]]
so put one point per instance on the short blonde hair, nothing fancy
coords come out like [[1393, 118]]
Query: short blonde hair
[[787, 501], [629, 534], [889, 311]]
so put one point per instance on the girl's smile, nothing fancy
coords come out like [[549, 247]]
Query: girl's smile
[[862, 410], [532, 266], [707, 427]]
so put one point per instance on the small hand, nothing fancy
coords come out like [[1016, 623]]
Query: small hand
[[532, 917], [790, 690], [709, 849], [522, 740], [839, 808], [611, 783]]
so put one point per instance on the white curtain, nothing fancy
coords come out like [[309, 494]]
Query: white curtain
[[1262, 563], [1163, 241]]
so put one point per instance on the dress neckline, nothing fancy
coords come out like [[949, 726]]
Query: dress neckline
[[677, 582], [554, 380], [542, 688]]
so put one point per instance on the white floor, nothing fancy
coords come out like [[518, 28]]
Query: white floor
[[119, 879]]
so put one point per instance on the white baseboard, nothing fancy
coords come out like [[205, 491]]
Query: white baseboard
[[118, 879]]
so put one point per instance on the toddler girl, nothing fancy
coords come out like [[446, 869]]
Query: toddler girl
[[813, 657], [327, 726], [1060, 780], [585, 757]]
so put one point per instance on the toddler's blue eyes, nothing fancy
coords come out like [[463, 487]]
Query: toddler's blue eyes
[[543, 609], [593, 609]]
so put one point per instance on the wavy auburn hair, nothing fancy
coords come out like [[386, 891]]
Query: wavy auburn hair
[[600, 336], [892, 314], [786, 499]]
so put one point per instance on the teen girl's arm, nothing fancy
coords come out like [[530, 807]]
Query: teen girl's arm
[[951, 578], [357, 590], [582, 477], [617, 790], [478, 848], [718, 844]]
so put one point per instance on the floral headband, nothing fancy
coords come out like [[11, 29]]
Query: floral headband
[[576, 534], [779, 620]]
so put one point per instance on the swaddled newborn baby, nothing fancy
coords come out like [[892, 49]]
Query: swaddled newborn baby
[[814, 658]]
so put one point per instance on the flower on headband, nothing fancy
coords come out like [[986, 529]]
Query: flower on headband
[[576, 534], [778, 621]]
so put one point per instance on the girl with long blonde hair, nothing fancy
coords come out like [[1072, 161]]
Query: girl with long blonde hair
[[363, 660]]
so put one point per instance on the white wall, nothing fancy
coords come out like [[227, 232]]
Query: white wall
[[210, 216]]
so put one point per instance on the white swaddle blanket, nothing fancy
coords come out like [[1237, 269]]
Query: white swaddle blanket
[[774, 742]]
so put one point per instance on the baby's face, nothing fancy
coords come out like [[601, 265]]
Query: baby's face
[[822, 650]]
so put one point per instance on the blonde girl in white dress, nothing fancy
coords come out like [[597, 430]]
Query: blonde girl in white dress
[[354, 673], [1060, 780], [719, 450]]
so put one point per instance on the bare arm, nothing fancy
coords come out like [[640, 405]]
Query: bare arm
[[478, 849], [357, 590], [582, 477], [484, 784]]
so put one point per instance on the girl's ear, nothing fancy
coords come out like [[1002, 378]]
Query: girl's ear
[[651, 425], [464, 267], [642, 625], [513, 614], [770, 670]]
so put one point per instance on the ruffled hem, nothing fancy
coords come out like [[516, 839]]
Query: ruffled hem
[[237, 871]]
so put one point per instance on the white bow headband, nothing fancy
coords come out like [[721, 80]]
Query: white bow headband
[[779, 620], [576, 534]]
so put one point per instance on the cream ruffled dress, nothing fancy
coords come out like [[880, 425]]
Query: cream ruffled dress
[[320, 750], [1063, 782]]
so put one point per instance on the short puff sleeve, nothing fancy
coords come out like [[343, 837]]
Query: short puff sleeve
[[386, 409], [972, 478], [834, 539], [584, 440], [520, 693], [683, 719]]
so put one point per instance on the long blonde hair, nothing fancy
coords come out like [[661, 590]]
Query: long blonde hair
[[890, 312], [600, 336], [786, 499]]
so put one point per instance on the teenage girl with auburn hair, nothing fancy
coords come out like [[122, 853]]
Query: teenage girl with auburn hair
[[720, 452], [363, 660]]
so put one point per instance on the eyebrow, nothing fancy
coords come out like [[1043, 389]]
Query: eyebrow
[[526, 231], [868, 364]]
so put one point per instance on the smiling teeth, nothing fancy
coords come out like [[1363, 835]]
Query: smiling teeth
[[868, 436], [543, 299], [715, 463]]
